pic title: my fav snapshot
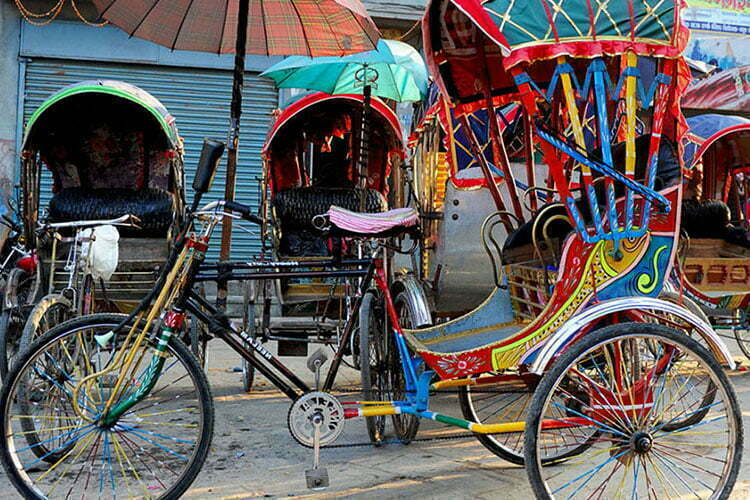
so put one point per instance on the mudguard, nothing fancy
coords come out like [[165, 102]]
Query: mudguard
[[540, 359], [416, 299]]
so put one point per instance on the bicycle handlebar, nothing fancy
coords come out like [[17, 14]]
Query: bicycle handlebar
[[123, 220], [243, 211]]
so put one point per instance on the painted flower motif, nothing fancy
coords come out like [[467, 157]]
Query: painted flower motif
[[464, 365]]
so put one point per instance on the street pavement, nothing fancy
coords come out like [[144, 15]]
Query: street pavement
[[253, 455]]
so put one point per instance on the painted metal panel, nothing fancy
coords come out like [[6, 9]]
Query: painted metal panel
[[199, 99]]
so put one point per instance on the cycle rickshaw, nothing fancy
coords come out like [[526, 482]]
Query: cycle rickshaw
[[712, 264], [313, 158], [93, 152], [619, 402]]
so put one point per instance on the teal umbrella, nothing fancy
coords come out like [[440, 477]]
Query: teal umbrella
[[395, 70]]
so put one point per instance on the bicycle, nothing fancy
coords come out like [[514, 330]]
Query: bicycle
[[77, 297], [21, 286]]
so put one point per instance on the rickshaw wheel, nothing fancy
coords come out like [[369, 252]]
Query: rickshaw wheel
[[632, 397], [742, 332], [492, 405], [742, 336], [406, 425], [710, 393], [51, 311], [198, 334], [372, 361]]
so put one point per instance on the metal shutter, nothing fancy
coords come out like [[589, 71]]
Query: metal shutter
[[199, 99]]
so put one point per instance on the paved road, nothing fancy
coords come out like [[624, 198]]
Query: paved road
[[253, 454]]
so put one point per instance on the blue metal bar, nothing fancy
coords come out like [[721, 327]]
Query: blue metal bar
[[644, 191], [600, 92]]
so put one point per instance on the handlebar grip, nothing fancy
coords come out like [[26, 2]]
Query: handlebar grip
[[244, 211]]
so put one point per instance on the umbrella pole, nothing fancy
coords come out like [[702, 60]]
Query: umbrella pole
[[364, 145], [233, 141]]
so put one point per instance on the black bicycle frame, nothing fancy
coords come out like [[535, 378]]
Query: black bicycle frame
[[259, 357]]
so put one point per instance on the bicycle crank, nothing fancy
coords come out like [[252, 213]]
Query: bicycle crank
[[316, 419]]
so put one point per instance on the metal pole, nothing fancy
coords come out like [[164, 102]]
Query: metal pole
[[233, 139]]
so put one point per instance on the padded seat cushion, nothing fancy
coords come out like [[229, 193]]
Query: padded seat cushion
[[295, 208], [152, 206]]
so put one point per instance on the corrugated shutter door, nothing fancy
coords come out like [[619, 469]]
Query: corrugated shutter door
[[199, 99]]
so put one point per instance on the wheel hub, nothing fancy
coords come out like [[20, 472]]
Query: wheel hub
[[314, 407], [641, 442]]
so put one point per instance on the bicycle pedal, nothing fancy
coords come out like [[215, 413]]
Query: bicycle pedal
[[316, 360], [317, 479]]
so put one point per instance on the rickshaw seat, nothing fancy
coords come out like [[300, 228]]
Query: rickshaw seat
[[154, 207], [376, 225], [296, 207], [294, 210]]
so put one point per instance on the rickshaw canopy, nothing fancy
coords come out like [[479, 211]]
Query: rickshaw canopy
[[114, 88], [536, 30], [327, 112], [706, 130], [298, 106]]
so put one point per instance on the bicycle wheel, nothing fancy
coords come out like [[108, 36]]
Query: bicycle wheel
[[8, 345], [197, 334], [406, 425], [372, 362], [248, 324], [23, 288], [742, 336], [494, 404], [51, 311], [609, 381], [155, 449]]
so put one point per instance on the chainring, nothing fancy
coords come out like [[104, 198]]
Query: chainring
[[302, 411]]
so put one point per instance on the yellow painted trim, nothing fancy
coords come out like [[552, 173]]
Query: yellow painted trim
[[503, 428], [376, 412], [459, 382], [575, 120], [630, 107]]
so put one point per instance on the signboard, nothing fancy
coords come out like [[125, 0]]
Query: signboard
[[719, 16], [720, 37]]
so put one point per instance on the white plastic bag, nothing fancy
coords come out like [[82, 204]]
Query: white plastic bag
[[103, 253]]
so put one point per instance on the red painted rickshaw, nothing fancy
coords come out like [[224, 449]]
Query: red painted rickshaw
[[312, 159]]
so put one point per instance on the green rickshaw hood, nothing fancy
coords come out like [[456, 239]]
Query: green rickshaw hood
[[114, 88]]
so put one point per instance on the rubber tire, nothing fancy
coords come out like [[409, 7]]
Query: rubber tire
[[30, 333], [560, 366], [488, 441], [375, 425], [406, 426], [198, 335], [4, 360], [10, 318], [248, 323], [180, 350], [743, 341]]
